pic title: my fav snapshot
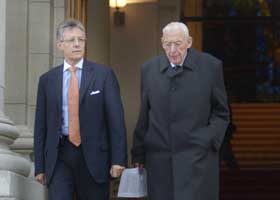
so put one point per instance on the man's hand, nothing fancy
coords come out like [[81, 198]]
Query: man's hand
[[41, 178], [116, 171]]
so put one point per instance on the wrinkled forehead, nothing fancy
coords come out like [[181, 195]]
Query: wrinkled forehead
[[174, 34], [76, 31]]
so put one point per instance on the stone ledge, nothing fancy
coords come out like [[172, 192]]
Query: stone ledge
[[14, 186]]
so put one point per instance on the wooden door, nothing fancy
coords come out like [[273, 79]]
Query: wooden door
[[77, 9]]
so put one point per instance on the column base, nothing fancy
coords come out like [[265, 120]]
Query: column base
[[16, 187]]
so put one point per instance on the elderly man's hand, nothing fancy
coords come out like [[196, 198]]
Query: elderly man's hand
[[41, 178], [116, 171]]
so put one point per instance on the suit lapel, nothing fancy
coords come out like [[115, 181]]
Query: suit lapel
[[87, 78], [58, 83]]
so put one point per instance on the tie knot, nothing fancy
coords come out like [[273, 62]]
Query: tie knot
[[73, 69]]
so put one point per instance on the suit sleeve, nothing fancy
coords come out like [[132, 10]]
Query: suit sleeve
[[219, 116], [138, 149], [115, 120], [40, 128]]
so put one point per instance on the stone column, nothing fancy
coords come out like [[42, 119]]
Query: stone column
[[8, 133], [23, 145], [13, 168], [30, 51], [16, 75]]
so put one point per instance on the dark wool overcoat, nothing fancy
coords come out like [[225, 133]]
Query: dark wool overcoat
[[182, 122]]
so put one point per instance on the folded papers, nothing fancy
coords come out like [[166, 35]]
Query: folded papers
[[133, 183]]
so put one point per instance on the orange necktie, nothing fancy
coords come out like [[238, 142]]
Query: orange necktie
[[73, 109]]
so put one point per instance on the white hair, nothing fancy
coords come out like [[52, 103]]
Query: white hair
[[174, 26]]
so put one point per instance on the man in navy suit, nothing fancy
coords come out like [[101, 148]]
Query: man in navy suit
[[82, 167]]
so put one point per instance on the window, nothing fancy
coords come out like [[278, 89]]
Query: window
[[245, 35]]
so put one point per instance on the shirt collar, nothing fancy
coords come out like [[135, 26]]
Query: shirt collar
[[79, 65], [189, 61]]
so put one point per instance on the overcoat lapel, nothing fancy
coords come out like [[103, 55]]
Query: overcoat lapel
[[165, 66]]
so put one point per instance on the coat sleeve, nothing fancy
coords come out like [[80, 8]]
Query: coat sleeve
[[138, 149], [40, 128], [115, 120], [214, 132], [219, 118]]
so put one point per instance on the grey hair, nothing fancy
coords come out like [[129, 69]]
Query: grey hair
[[176, 25], [68, 23]]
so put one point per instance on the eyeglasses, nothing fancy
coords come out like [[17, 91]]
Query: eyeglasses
[[168, 45], [74, 40]]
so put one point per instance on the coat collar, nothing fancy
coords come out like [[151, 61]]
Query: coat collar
[[189, 61]]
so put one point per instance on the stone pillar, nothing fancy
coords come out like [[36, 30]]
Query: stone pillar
[[2, 54], [13, 168], [16, 74], [8, 133], [35, 17], [58, 10], [24, 146]]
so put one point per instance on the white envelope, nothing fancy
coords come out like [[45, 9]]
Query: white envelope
[[133, 184]]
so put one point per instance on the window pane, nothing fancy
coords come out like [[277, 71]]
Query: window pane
[[245, 35], [251, 56], [237, 50], [240, 8]]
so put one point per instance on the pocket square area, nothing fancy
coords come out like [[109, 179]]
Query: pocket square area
[[94, 92]]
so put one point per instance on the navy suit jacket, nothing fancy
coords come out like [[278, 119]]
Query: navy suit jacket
[[101, 116]]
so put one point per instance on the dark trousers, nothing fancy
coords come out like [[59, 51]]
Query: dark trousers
[[71, 176]]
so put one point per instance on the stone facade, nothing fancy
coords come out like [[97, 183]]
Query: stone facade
[[28, 49]]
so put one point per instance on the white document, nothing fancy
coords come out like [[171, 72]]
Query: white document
[[133, 184]]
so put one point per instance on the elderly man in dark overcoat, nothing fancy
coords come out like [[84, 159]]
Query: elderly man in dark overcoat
[[182, 120]]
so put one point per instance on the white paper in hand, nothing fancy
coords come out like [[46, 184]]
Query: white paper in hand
[[133, 184]]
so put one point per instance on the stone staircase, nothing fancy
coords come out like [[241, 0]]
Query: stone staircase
[[256, 145]]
